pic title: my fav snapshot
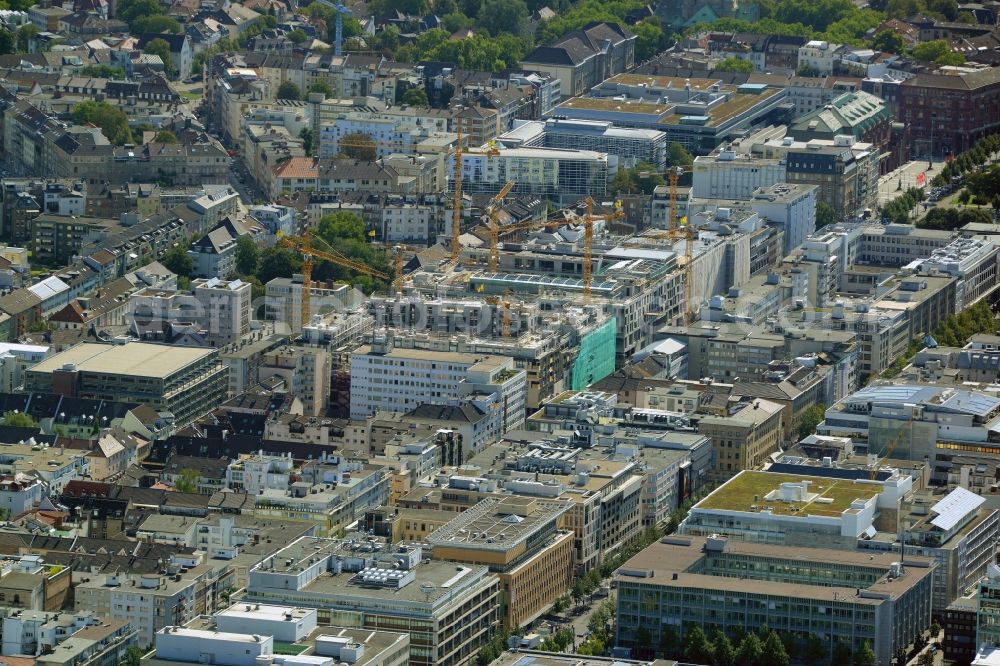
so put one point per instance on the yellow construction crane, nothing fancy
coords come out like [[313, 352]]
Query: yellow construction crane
[[397, 283], [492, 211], [892, 447], [303, 244], [588, 240], [504, 306], [456, 213], [675, 231]]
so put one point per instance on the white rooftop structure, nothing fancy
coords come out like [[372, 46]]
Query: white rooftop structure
[[954, 507]]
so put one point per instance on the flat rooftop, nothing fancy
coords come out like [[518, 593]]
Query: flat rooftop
[[681, 556], [497, 524], [653, 81], [828, 497], [142, 359]]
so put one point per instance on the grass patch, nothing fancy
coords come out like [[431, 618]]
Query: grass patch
[[750, 488], [289, 648]]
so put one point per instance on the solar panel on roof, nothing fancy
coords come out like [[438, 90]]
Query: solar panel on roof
[[956, 505]]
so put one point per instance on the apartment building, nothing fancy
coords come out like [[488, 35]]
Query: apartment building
[[283, 301], [818, 55], [838, 596], [56, 239], [214, 254], [745, 436], [305, 372], [388, 379], [149, 602], [448, 610], [564, 176], [219, 311], [387, 134], [519, 540], [185, 381]]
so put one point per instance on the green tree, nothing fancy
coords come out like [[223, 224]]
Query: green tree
[[8, 42], [723, 653], [278, 261], [133, 656], [247, 255], [937, 51], [865, 656], [696, 647], [649, 39], [288, 90], [677, 155], [131, 10], [734, 64], [817, 14], [160, 47], [669, 641], [561, 605], [103, 72], [750, 651], [808, 70], [178, 260], [297, 36], [888, 41], [308, 137], [415, 97], [500, 16], [815, 651], [643, 178], [165, 136], [17, 419], [643, 639], [322, 87], [24, 35], [339, 226], [155, 25], [187, 481], [810, 419], [112, 121], [358, 146], [841, 653], [774, 651], [825, 214]]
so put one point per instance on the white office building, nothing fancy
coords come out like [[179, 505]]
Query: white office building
[[287, 624], [564, 176], [728, 175], [398, 380], [631, 146]]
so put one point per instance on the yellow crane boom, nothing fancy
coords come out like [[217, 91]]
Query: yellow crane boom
[[492, 212], [456, 212], [303, 244]]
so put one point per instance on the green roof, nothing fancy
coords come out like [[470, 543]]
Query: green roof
[[749, 488]]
